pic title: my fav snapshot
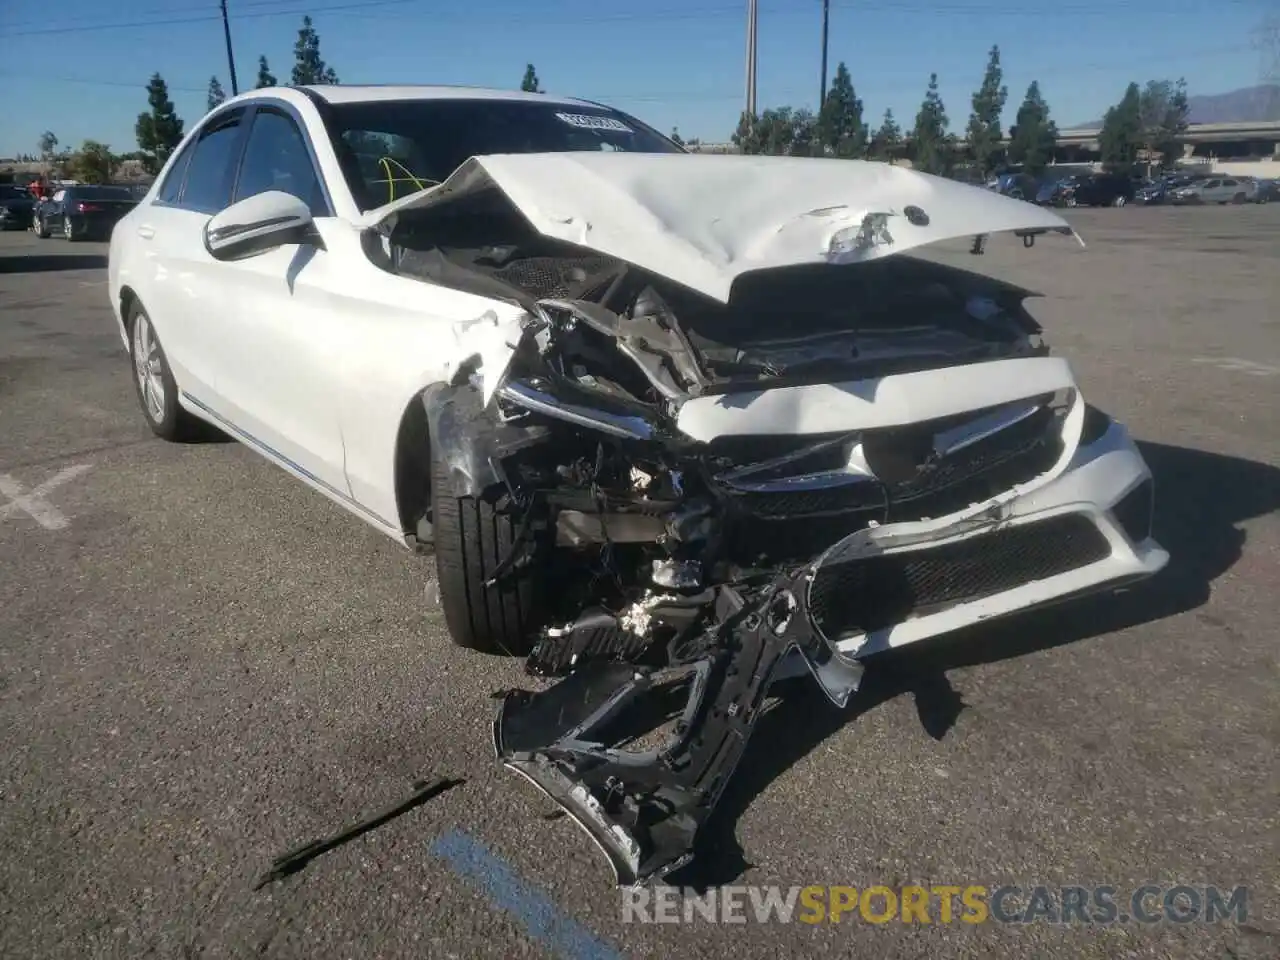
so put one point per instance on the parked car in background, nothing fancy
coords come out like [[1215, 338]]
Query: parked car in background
[[1158, 190], [1262, 190], [1213, 190], [83, 212], [1019, 186], [15, 207], [1088, 190]]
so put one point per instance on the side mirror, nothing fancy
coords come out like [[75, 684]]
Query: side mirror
[[257, 224]]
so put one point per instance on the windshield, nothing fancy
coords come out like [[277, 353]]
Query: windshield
[[103, 193], [393, 148]]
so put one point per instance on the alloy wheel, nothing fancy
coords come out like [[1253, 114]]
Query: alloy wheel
[[149, 368]]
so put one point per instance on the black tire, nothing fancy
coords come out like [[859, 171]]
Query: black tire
[[41, 228], [471, 539], [69, 230], [172, 422]]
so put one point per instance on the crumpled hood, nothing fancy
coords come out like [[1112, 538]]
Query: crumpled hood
[[703, 220]]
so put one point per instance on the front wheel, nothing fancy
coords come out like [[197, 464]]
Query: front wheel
[[41, 228], [472, 537], [1120, 201]]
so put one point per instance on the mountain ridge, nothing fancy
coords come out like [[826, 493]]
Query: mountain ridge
[[1256, 104]]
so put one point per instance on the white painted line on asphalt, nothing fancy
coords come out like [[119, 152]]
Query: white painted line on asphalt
[[34, 504], [92, 283], [1236, 365]]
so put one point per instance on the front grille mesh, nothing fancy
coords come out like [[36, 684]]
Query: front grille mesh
[[878, 592], [554, 276]]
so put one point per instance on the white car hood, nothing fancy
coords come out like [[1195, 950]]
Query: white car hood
[[704, 220]]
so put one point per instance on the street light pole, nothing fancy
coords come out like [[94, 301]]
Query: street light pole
[[826, 17], [231, 60], [751, 60]]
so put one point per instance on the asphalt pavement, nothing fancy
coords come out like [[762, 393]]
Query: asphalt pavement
[[203, 663]]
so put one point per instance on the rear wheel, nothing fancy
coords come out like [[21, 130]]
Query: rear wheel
[[153, 381], [41, 228], [1120, 201], [472, 537], [68, 230], [1238, 198]]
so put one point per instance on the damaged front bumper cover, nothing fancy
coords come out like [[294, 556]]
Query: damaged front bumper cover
[[644, 808]]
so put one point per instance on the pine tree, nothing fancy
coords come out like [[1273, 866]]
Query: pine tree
[[1033, 134], [886, 143], [1121, 134], [530, 82], [216, 96], [265, 77], [984, 123], [747, 137], [308, 68], [1164, 111], [839, 126], [931, 147], [159, 130]]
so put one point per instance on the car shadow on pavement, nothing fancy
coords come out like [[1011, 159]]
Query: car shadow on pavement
[[44, 263], [1201, 498]]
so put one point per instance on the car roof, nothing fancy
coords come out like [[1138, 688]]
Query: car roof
[[373, 93]]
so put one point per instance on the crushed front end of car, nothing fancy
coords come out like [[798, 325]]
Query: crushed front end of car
[[831, 459]]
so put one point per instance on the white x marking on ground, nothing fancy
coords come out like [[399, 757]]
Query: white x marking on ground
[[35, 504]]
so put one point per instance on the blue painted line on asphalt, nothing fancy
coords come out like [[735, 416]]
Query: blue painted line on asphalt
[[542, 920]]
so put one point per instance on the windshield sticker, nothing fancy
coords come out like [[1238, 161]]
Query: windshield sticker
[[593, 123]]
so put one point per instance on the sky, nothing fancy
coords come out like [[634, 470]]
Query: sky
[[80, 67]]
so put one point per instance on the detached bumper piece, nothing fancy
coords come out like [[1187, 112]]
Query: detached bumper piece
[[644, 808]]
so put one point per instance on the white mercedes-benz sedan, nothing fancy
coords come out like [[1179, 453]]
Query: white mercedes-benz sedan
[[609, 382]]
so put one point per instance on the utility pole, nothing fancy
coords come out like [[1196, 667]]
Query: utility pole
[[826, 18], [231, 59], [751, 60]]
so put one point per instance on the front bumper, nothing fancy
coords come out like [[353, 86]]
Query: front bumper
[[1089, 499]]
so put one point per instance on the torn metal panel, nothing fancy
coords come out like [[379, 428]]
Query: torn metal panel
[[644, 808]]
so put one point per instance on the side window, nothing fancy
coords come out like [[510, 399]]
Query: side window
[[172, 186], [208, 182], [1212, 183], [276, 158], [1229, 183]]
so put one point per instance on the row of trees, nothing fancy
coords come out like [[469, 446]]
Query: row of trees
[[159, 129], [1145, 124]]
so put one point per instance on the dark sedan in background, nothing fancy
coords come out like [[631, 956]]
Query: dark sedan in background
[[16, 205], [83, 212], [1088, 190], [1158, 191]]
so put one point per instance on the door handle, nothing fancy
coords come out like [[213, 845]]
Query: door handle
[[146, 232]]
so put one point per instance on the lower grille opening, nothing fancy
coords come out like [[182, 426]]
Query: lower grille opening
[[878, 592], [1134, 511]]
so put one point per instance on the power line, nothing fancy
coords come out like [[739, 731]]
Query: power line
[[266, 9]]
